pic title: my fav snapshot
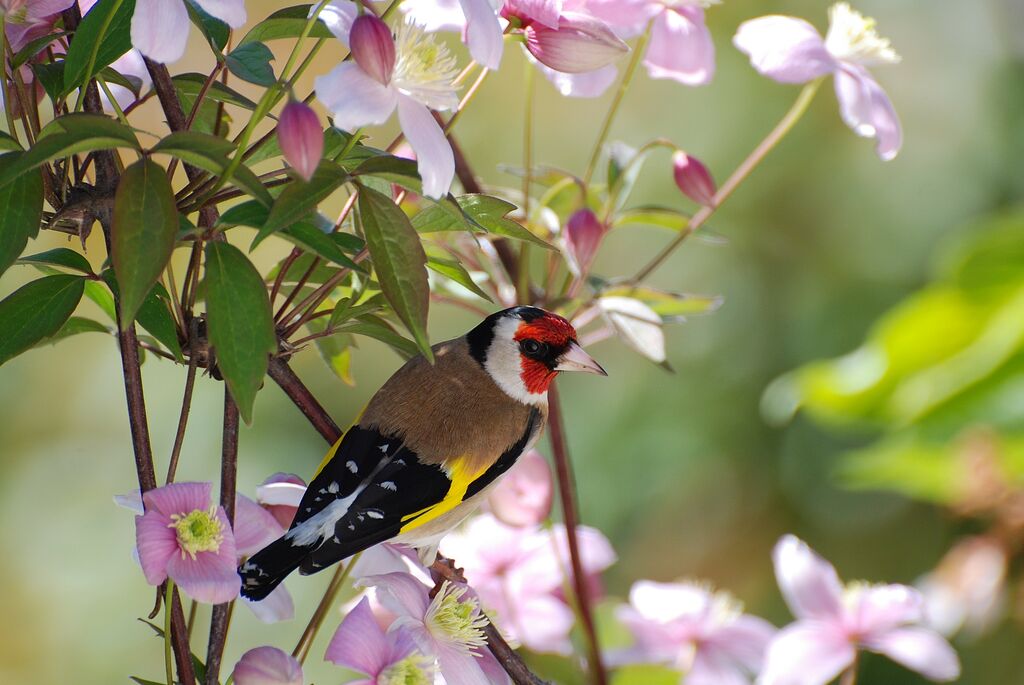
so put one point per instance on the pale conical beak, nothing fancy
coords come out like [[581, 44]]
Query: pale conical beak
[[575, 359]]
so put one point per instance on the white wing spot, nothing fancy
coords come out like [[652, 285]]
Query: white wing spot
[[389, 485], [351, 466], [374, 514], [384, 448], [333, 488]]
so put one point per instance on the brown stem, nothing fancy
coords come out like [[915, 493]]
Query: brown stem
[[305, 642], [186, 400], [304, 400], [570, 517]]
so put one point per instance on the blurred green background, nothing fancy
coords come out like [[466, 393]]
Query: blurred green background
[[681, 471]]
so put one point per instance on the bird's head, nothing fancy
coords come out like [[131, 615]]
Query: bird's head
[[524, 348]]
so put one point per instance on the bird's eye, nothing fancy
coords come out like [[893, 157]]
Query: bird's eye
[[532, 348]]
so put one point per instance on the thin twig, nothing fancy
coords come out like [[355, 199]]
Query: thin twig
[[186, 400], [305, 642], [570, 517]]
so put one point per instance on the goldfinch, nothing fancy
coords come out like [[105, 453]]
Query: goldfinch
[[428, 446]]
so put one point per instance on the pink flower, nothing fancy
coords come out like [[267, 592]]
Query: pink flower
[[520, 573], [476, 19], [420, 79], [448, 628], [680, 46], [267, 666], [834, 621], [579, 44], [702, 633], [160, 28], [693, 178], [523, 496], [280, 494], [361, 644], [790, 50], [967, 588], [183, 537], [27, 20], [301, 138]]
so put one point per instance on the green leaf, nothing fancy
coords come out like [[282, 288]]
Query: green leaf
[[105, 32], [240, 322], [51, 77], [101, 295], [482, 212], [659, 217], [22, 210], [299, 199], [215, 30], [399, 261], [60, 256], [249, 213], [74, 326], [154, 315], [144, 228], [251, 62], [7, 143], [285, 23], [646, 674], [34, 47], [37, 310], [452, 269], [312, 239], [68, 135], [210, 153], [192, 84], [378, 330]]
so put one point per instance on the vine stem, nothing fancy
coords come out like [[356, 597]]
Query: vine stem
[[570, 517], [784, 126], [4, 93], [849, 676], [620, 95], [168, 658], [305, 643]]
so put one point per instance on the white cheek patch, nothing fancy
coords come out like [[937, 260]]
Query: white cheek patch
[[505, 364]]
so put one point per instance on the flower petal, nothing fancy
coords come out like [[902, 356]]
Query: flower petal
[[809, 584], [354, 98], [867, 110], [231, 12], [359, 643], [744, 640], [132, 501], [711, 668], [546, 12], [541, 623], [436, 15], [277, 606], [399, 593], [879, 608], [280, 489], [483, 32], [255, 527], [178, 498], [211, 577], [160, 29], [267, 666], [156, 543], [523, 496], [786, 49], [434, 158], [459, 667], [589, 84], [338, 16], [627, 17], [681, 47], [806, 653], [921, 650]]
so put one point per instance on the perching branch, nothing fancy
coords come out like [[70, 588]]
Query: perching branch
[[570, 517]]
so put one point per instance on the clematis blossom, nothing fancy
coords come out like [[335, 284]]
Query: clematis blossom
[[523, 496], [184, 537], [834, 621], [702, 633], [790, 50], [267, 666], [26, 20], [412, 72], [160, 28]]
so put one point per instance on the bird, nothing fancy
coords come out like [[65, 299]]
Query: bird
[[430, 444]]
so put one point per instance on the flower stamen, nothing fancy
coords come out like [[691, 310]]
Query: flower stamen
[[424, 68], [852, 36], [198, 531], [459, 621]]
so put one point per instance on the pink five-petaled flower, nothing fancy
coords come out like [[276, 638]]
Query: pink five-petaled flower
[[26, 20], [183, 537], [448, 628], [411, 73], [301, 138], [702, 633], [388, 658], [790, 50], [680, 46], [523, 496], [267, 666], [160, 27], [834, 621]]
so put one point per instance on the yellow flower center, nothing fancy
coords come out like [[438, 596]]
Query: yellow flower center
[[412, 670], [424, 69], [459, 621], [852, 37], [198, 531]]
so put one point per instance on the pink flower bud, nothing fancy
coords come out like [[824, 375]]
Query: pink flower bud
[[301, 138], [693, 178], [583, 234], [523, 496], [267, 666], [580, 43], [373, 47]]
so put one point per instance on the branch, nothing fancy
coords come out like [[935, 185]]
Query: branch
[[228, 473], [571, 519]]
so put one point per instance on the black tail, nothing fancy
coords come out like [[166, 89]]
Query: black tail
[[265, 570]]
